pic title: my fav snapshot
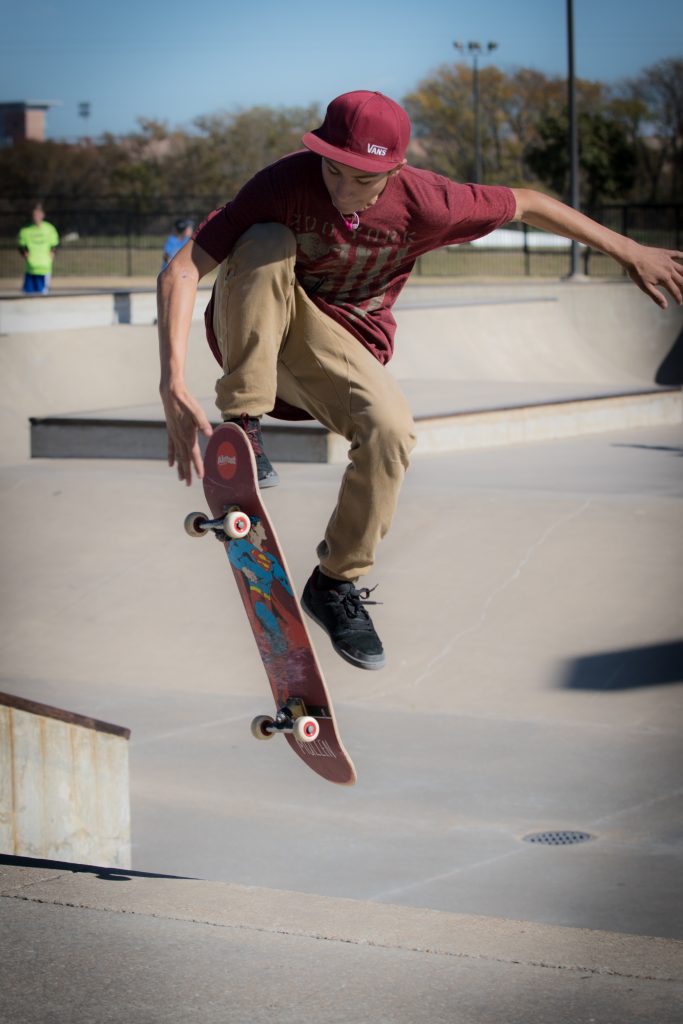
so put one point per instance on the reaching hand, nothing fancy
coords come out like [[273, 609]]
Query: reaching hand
[[184, 419], [652, 269]]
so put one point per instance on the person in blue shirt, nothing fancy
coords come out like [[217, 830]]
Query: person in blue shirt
[[175, 242]]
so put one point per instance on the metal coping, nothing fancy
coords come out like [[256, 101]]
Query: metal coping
[[34, 708]]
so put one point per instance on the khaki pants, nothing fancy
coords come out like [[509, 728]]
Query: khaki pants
[[274, 340]]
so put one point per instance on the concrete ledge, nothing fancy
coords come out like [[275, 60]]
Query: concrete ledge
[[347, 921], [98, 436], [140, 433], [52, 312], [549, 421]]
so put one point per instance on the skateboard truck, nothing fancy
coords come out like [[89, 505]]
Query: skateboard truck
[[234, 524], [291, 718]]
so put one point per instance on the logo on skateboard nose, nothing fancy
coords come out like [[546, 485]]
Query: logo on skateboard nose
[[226, 460]]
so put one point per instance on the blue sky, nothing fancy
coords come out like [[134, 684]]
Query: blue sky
[[149, 59]]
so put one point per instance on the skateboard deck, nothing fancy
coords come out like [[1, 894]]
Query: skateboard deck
[[303, 709]]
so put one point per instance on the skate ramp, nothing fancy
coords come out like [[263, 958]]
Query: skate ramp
[[541, 349]]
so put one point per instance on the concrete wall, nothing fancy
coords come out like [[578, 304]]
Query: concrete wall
[[64, 791], [62, 371], [559, 331]]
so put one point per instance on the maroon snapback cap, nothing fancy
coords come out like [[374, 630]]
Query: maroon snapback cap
[[365, 130]]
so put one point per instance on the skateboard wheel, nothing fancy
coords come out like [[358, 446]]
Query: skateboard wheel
[[262, 727], [193, 523], [236, 524], [306, 729]]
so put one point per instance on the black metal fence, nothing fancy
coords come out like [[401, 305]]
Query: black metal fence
[[100, 238]]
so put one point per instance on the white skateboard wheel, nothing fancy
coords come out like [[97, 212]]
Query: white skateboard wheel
[[306, 729], [236, 524], [262, 727], [193, 523]]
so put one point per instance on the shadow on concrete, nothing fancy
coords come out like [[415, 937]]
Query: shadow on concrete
[[671, 369], [105, 873], [628, 669], [669, 449]]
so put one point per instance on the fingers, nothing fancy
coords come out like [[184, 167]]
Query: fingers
[[674, 280], [677, 284], [659, 270], [198, 462], [184, 456], [650, 290], [184, 419], [184, 473], [656, 296], [191, 459], [202, 422]]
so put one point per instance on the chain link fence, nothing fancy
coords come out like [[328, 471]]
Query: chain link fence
[[102, 238]]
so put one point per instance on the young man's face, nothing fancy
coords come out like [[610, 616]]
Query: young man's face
[[351, 190]]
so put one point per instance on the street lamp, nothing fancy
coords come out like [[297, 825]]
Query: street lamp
[[475, 49], [84, 112], [573, 133]]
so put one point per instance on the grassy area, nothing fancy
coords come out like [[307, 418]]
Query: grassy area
[[117, 259], [92, 261], [470, 262]]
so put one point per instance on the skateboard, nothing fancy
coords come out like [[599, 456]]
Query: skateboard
[[303, 709]]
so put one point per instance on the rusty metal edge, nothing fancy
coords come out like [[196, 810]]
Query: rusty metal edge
[[70, 717]]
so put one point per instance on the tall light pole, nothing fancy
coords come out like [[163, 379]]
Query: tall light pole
[[475, 49], [573, 132], [84, 109]]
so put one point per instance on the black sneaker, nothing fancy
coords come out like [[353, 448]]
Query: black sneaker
[[251, 425], [340, 610]]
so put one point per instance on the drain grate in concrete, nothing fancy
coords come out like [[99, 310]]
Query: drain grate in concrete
[[560, 838]]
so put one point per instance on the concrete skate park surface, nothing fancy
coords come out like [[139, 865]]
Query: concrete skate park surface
[[532, 618]]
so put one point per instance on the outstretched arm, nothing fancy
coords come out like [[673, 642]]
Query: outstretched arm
[[176, 293], [650, 268]]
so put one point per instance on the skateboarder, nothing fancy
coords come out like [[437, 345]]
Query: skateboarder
[[311, 255]]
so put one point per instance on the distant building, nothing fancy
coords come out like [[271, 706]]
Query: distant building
[[23, 120]]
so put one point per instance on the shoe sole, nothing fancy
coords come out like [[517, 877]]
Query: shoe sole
[[356, 662], [270, 481]]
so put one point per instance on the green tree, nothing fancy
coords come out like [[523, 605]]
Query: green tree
[[443, 123], [228, 148], [606, 159], [511, 107], [629, 108], [662, 88]]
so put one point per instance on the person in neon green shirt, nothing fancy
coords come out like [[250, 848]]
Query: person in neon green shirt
[[37, 243]]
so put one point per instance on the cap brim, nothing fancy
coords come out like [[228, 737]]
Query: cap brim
[[371, 164]]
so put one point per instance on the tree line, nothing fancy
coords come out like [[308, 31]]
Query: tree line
[[630, 144], [630, 135]]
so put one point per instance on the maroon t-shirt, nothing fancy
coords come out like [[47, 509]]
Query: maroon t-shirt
[[356, 276]]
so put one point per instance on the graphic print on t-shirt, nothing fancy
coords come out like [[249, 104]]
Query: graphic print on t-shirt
[[349, 275]]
